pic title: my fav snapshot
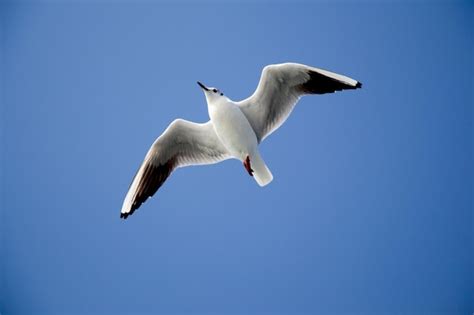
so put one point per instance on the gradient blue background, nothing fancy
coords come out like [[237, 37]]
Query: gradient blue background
[[371, 207]]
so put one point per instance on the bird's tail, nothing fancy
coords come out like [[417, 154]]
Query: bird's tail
[[262, 174]]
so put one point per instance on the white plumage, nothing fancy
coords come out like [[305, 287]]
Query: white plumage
[[235, 128]]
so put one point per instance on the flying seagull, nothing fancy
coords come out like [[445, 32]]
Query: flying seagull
[[234, 130]]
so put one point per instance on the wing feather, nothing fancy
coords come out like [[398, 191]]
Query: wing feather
[[183, 143], [280, 88]]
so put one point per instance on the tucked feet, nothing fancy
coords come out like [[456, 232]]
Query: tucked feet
[[247, 166]]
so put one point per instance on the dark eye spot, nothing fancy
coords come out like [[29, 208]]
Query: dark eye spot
[[214, 90], [222, 94]]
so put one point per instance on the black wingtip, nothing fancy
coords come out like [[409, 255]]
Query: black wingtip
[[127, 214], [358, 85]]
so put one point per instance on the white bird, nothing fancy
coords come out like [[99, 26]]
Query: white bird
[[234, 130]]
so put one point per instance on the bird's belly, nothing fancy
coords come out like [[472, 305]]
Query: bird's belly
[[234, 131]]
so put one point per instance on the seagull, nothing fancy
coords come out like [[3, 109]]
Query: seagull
[[235, 129]]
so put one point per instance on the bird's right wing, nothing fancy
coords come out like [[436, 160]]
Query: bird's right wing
[[183, 143], [280, 88]]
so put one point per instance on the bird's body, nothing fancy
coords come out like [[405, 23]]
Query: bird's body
[[237, 136], [232, 127], [235, 128]]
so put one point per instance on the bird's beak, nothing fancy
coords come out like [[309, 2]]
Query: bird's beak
[[202, 86]]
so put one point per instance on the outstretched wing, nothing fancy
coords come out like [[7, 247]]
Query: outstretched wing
[[279, 90], [183, 143]]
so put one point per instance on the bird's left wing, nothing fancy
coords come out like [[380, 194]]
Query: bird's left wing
[[280, 88], [183, 143]]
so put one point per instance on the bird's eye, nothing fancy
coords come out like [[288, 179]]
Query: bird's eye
[[214, 90], [222, 94]]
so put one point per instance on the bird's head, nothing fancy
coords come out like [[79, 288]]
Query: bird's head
[[211, 93]]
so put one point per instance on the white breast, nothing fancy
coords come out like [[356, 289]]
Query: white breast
[[233, 128]]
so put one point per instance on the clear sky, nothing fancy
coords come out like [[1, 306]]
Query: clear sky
[[370, 210]]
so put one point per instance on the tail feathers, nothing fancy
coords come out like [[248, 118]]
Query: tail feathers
[[262, 174]]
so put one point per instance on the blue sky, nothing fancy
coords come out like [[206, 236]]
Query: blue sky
[[370, 210]]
